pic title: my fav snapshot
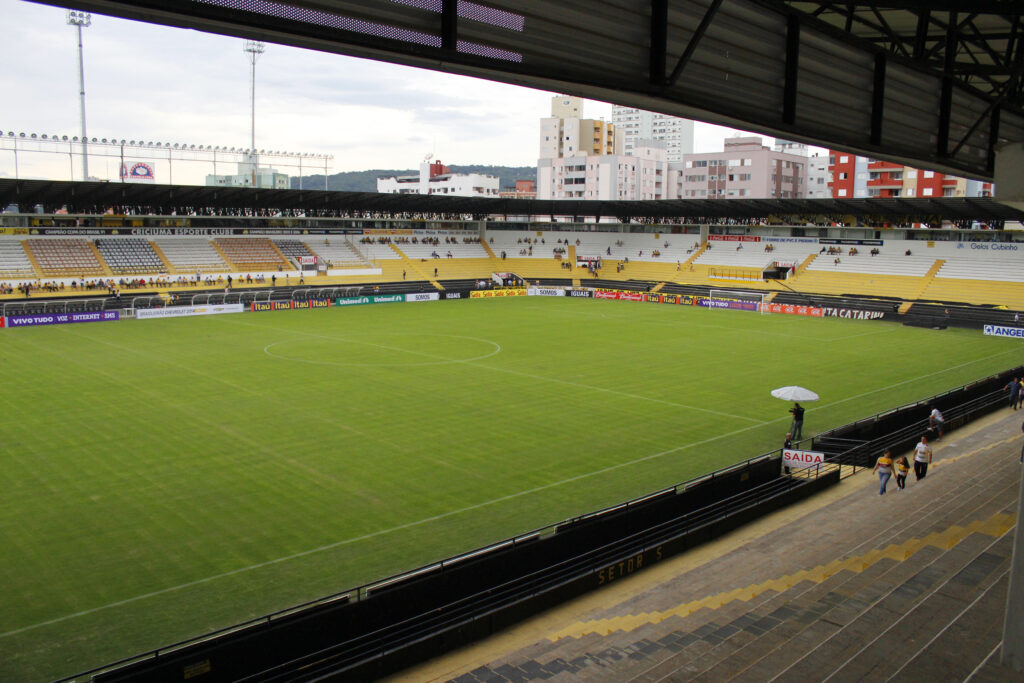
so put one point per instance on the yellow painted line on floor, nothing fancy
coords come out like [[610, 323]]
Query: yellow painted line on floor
[[994, 526]]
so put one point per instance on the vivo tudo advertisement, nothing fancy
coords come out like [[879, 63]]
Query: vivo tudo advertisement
[[796, 459], [182, 311], [60, 318], [722, 303]]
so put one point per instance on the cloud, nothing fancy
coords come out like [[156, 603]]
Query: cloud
[[166, 84]]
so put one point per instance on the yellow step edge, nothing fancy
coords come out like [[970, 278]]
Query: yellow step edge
[[995, 526]]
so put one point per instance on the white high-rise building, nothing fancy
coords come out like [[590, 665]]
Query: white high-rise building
[[635, 127], [566, 134], [819, 180], [643, 175]]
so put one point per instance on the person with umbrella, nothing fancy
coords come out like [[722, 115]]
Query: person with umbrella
[[798, 421], [797, 394]]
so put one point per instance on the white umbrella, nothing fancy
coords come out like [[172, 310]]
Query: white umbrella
[[794, 393]]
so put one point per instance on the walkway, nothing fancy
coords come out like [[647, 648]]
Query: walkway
[[847, 586]]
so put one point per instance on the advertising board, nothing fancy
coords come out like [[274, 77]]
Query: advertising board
[[721, 303], [798, 459], [581, 293], [60, 318], [545, 291], [423, 296], [792, 309], [852, 313], [182, 311], [497, 293], [1004, 331]]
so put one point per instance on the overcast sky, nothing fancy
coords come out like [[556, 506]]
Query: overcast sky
[[155, 83]]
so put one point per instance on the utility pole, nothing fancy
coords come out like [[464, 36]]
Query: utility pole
[[254, 49], [80, 20]]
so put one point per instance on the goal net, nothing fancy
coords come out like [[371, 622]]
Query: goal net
[[747, 301]]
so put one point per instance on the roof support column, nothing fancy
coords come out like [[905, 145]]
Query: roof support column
[[659, 41], [878, 99], [792, 69], [449, 25], [1012, 650], [946, 98]]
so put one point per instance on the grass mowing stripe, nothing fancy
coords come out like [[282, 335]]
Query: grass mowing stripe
[[451, 513], [114, 492], [543, 378]]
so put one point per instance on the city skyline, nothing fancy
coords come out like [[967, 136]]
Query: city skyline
[[151, 82]]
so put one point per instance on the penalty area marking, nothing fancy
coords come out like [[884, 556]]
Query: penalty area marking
[[458, 511], [446, 361]]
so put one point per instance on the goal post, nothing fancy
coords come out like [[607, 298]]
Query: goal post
[[758, 298]]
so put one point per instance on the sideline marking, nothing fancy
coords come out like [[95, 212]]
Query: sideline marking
[[469, 508], [496, 351]]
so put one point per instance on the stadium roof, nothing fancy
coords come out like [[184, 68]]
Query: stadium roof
[[99, 197], [932, 83]]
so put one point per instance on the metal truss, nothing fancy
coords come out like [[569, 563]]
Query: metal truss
[[934, 84]]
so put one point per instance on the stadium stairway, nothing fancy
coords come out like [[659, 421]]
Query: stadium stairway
[[31, 257], [99, 258], [222, 254], [846, 586], [928, 278], [171, 270], [414, 267]]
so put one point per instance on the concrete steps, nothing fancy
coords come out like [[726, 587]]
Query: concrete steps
[[909, 586]]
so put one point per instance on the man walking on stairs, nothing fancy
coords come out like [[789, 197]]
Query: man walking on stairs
[[922, 458]]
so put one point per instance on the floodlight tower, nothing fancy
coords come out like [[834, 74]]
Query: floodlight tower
[[254, 48], [80, 20]]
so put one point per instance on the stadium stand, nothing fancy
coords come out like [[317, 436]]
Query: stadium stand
[[192, 254], [339, 253], [130, 256], [293, 249], [69, 257], [251, 253], [14, 262]]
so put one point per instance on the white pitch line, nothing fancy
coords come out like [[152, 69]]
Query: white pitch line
[[520, 374], [451, 513]]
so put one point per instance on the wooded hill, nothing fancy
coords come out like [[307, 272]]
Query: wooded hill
[[366, 181]]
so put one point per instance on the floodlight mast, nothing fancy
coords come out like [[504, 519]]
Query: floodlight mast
[[254, 48], [80, 20]]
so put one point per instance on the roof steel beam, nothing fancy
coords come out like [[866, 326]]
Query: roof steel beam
[[792, 69], [659, 40], [760, 65], [691, 47]]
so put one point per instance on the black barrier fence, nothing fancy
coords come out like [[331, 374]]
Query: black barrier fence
[[379, 628], [859, 443], [376, 629]]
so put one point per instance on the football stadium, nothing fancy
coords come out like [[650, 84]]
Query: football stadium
[[223, 453], [257, 434]]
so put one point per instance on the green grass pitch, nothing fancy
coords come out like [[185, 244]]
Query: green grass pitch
[[164, 478]]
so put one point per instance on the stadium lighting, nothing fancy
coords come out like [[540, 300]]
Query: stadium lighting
[[80, 20], [254, 49]]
